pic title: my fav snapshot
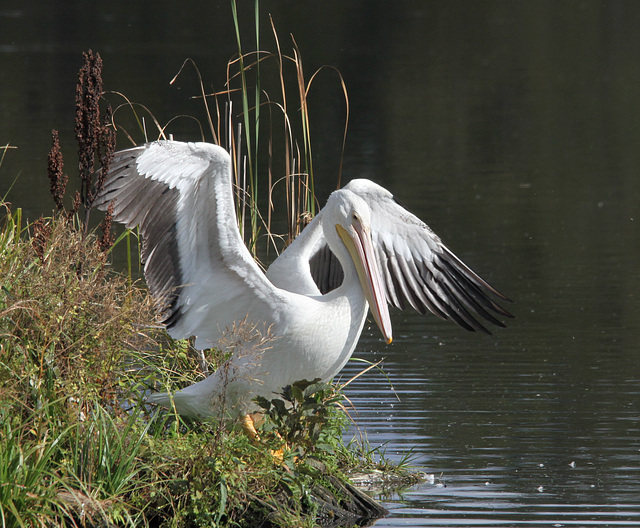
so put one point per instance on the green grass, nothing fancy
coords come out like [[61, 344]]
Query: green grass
[[79, 347], [26, 469]]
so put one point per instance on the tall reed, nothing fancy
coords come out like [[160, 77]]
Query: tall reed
[[255, 139]]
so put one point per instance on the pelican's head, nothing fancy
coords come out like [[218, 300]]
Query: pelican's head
[[351, 217]]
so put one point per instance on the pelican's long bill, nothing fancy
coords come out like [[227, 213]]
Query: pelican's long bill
[[361, 250]]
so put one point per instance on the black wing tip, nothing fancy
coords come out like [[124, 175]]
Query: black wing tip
[[468, 279], [170, 311], [490, 318], [500, 296]]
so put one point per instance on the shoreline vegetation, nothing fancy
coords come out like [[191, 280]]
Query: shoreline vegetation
[[80, 346]]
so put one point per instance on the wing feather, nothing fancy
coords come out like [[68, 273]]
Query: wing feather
[[196, 264], [417, 269], [424, 272]]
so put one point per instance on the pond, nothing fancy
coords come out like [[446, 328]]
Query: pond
[[513, 130]]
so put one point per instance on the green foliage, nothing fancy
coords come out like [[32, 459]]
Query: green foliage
[[65, 321], [11, 230], [26, 498], [79, 347], [69, 330], [195, 481], [103, 452], [306, 418], [55, 470]]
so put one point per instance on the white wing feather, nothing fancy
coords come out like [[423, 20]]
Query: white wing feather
[[417, 268], [181, 197]]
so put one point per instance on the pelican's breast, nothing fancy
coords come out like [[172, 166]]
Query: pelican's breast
[[319, 340]]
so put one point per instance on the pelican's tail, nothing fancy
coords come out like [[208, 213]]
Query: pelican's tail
[[159, 398], [194, 401]]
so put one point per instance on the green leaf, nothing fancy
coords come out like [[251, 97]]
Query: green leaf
[[279, 406], [296, 392]]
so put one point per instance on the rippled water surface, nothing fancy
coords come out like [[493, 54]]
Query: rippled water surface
[[511, 440], [513, 129]]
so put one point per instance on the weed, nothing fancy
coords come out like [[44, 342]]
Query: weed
[[96, 146], [306, 418]]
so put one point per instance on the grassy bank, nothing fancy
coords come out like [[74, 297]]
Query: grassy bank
[[79, 347]]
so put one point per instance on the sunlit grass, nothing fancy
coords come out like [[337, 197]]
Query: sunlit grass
[[79, 348]]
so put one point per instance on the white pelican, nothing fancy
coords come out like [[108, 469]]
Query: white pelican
[[363, 250]]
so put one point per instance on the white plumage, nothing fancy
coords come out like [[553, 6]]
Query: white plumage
[[362, 250]]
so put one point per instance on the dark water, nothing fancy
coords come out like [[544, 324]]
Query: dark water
[[513, 129]]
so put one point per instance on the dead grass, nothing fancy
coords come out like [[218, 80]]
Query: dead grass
[[66, 321]]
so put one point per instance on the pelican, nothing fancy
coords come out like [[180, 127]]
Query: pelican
[[363, 251]]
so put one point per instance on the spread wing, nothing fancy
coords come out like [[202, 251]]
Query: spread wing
[[195, 262], [417, 269]]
